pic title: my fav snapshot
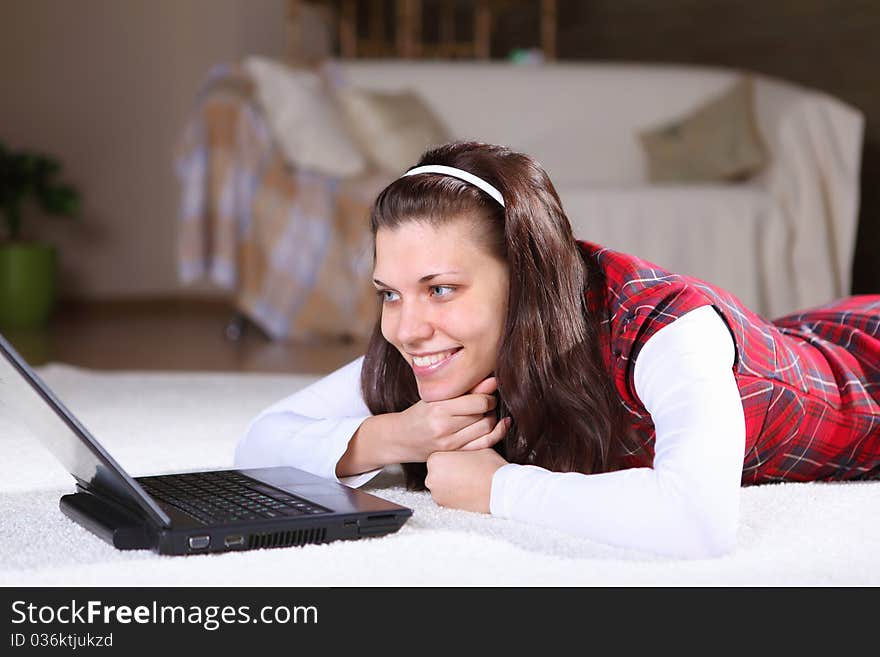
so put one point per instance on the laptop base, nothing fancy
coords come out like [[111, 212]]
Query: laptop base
[[121, 530], [125, 530]]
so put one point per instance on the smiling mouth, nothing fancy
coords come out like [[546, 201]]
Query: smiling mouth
[[433, 359]]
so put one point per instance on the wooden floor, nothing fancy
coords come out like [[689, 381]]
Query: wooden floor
[[169, 335]]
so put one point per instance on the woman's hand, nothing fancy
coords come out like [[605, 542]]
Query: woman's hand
[[463, 480], [461, 423], [465, 423]]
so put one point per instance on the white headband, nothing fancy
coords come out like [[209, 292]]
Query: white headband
[[461, 175]]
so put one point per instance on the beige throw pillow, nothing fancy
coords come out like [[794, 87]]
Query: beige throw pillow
[[393, 129], [718, 141], [304, 120]]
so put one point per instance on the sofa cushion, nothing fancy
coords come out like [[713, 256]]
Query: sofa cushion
[[304, 120], [719, 141], [685, 227], [392, 128], [578, 120]]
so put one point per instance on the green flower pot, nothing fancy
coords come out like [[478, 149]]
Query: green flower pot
[[27, 284]]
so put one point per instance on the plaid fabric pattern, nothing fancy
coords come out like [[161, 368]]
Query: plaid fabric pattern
[[293, 246], [809, 382]]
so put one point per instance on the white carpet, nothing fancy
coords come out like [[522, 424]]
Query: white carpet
[[790, 534]]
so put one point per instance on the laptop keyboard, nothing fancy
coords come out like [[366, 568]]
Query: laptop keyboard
[[217, 497]]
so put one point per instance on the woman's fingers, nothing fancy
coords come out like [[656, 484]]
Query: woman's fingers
[[471, 404], [486, 387], [480, 427], [447, 424], [455, 424], [489, 439]]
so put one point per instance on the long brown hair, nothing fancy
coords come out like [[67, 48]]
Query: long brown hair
[[552, 379]]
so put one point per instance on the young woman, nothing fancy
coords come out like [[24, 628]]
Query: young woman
[[518, 372]]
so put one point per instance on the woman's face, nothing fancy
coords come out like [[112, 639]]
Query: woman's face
[[444, 303]]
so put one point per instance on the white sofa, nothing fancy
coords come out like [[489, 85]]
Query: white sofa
[[784, 240]]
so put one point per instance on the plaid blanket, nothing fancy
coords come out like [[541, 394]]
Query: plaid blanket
[[292, 246]]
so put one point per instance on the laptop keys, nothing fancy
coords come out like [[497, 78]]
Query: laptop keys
[[224, 497]]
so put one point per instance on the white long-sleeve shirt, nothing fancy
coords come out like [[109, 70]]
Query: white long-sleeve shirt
[[686, 505]]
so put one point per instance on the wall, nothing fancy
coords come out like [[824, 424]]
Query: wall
[[832, 45], [107, 86]]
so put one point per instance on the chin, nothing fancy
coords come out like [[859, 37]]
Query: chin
[[432, 392]]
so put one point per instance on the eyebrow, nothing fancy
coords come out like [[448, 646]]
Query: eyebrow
[[423, 279]]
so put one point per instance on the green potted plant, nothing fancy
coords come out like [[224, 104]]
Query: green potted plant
[[27, 267]]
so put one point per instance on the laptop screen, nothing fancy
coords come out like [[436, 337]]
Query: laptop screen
[[25, 399]]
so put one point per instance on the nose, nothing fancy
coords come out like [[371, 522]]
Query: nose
[[414, 324]]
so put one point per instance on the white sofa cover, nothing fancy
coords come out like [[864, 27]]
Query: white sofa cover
[[782, 241]]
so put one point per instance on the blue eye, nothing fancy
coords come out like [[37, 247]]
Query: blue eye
[[387, 296], [443, 287]]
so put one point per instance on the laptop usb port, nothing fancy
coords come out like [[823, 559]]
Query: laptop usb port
[[199, 542], [233, 541]]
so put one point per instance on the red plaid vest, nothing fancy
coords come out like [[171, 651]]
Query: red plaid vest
[[809, 382]]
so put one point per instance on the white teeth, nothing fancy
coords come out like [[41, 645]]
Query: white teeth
[[424, 361]]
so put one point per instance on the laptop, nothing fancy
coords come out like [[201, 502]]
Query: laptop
[[189, 512]]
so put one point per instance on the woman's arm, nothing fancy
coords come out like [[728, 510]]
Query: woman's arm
[[368, 448], [688, 503], [327, 429], [312, 429]]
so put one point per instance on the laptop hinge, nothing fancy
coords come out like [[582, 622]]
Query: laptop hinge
[[111, 522]]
